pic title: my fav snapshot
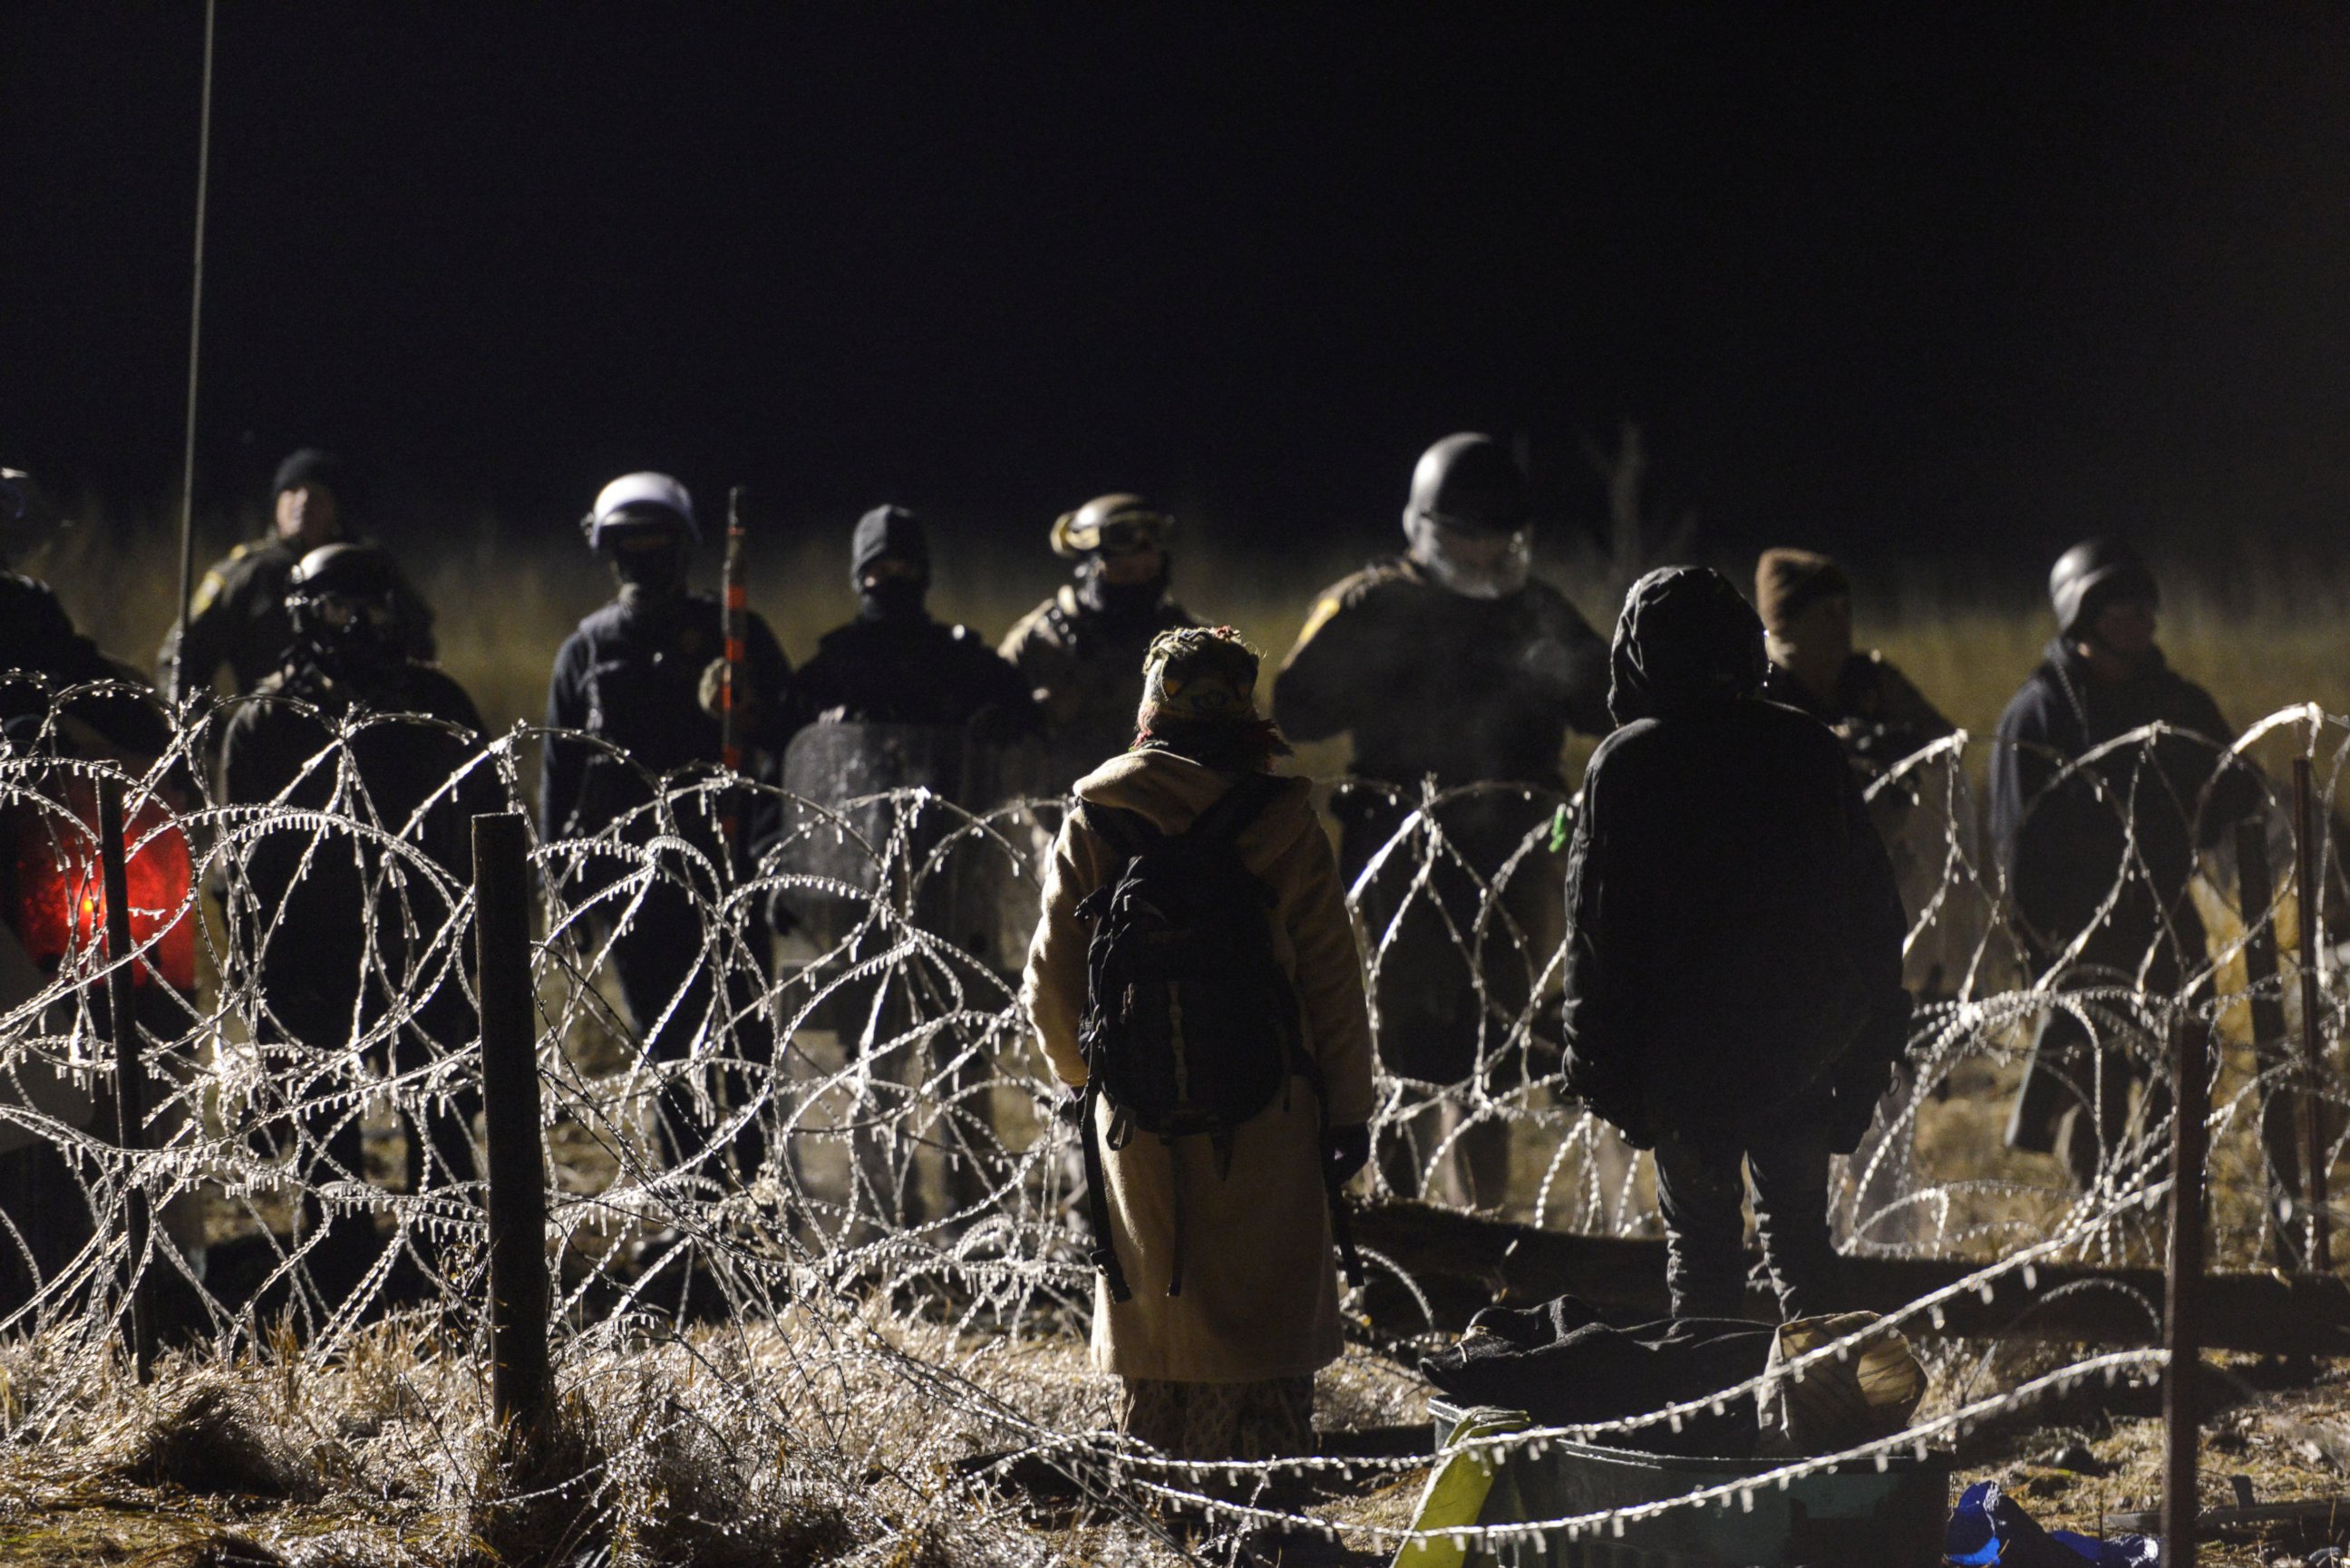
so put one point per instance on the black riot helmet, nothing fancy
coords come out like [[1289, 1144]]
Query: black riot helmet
[[2093, 575], [1471, 483], [343, 602], [1471, 516]]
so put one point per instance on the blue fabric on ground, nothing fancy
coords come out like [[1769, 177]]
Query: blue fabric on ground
[[1987, 1526]]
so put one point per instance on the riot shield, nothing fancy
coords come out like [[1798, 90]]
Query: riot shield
[[891, 814]]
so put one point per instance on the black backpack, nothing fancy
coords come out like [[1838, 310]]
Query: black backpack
[[1191, 1024]]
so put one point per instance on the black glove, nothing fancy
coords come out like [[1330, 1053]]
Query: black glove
[[1611, 1097], [1851, 1104], [1344, 1151]]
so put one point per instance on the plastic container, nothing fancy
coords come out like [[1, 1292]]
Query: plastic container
[[1850, 1516]]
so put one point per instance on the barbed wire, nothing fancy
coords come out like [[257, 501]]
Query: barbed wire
[[822, 1142]]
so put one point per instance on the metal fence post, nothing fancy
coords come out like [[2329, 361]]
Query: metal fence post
[[2279, 1108], [521, 1380], [129, 1076], [2309, 877], [2182, 1328]]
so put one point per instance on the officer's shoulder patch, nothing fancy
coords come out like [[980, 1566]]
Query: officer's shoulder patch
[[206, 592], [1324, 609]]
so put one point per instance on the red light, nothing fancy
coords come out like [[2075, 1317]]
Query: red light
[[61, 886]]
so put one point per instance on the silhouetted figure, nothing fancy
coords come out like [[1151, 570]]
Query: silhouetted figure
[[351, 941], [1450, 662], [1806, 602], [1733, 965], [1224, 1369], [896, 665], [239, 617], [2098, 858], [1081, 650], [637, 676]]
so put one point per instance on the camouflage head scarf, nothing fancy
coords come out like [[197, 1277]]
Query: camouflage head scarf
[[1198, 698]]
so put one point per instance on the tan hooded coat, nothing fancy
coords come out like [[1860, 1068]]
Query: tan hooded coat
[[1260, 1281]]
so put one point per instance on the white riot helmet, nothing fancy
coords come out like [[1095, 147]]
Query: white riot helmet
[[635, 500]]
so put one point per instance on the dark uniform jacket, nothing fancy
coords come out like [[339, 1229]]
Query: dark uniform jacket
[[2064, 849], [1086, 669], [238, 616], [323, 914], [631, 674], [38, 637], [910, 669], [1735, 936], [1877, 713], [1431, 681]]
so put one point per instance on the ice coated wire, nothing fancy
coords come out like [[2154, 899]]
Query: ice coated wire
[[928, 1158]]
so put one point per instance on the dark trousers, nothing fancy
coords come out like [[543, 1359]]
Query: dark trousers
[[307, 1041], [1702, 1190], [666, 966]]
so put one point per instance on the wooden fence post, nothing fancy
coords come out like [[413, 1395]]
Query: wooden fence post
[[522, 1383], [129, 1076], [2310, 889], [2182, 1328]]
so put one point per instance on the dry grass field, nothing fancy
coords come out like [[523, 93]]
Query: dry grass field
[[2262, 629]]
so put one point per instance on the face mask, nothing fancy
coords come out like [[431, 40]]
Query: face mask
[[653, 573], [1120, 601], [349, 637], [1475, 566], [893, 599]]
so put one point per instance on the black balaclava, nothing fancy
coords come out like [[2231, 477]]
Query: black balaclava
[[896, 534], [651, 574], [1122, 603], [1686, 638]]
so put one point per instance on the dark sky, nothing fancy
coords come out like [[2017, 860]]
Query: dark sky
[[1894, 278]]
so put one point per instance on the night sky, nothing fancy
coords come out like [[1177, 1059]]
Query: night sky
[[1891, 279]]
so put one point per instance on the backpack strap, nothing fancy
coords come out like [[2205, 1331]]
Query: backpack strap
[[1128, 833], [1240, 805]]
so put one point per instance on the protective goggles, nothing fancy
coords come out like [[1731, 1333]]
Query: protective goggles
[[1123, 533]]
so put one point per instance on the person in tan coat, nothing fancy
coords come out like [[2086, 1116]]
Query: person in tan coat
[[1224, 1369]]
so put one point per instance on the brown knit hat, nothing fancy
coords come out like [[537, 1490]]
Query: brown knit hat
[[1786, 582]]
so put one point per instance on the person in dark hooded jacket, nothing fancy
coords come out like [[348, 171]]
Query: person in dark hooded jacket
[[1733, 967], [2098, 855]]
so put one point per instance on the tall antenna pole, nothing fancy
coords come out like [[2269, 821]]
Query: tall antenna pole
[[196, 341]]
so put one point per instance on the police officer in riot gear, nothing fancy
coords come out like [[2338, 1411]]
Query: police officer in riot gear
[[1452, 663], [239, 615], [1081, 650], [635, 675], [897, 695], [896, 665], [345, 939], [38, 637], [2102, 856]]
